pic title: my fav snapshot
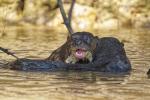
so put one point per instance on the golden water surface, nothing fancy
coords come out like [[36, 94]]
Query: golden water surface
[[39, 43]]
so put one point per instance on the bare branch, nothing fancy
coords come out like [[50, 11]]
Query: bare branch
[[8, 52], [70, 11], [65, 18]]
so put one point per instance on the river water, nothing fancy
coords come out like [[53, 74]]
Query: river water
[[39, 43]]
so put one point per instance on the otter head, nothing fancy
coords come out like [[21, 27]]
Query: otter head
[[81, 47]]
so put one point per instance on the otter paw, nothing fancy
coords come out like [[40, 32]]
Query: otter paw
[[71, 60]]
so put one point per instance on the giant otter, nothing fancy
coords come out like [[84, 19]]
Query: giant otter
[[85, 50]]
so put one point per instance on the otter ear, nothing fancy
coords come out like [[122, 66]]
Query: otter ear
[[95, 41], [96, 37]]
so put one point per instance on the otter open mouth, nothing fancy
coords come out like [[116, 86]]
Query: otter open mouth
[[80, 54]]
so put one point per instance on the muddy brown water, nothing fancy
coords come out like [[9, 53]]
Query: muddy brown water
[[39, 43]]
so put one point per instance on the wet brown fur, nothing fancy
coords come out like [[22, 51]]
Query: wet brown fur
[[63, 52], [108, 54]]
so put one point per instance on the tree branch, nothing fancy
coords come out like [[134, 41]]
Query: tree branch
[[8, 52], [65, 18], [70, 11]]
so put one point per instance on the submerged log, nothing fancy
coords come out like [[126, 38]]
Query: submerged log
[[35, 65], [45, 65]]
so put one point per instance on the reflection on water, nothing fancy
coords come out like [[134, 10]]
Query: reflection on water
[[38, 44]]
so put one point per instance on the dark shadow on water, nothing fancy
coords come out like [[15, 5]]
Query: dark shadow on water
[[90, 77]]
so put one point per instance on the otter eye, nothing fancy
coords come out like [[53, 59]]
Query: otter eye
[[76, 41], [87, 40]]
